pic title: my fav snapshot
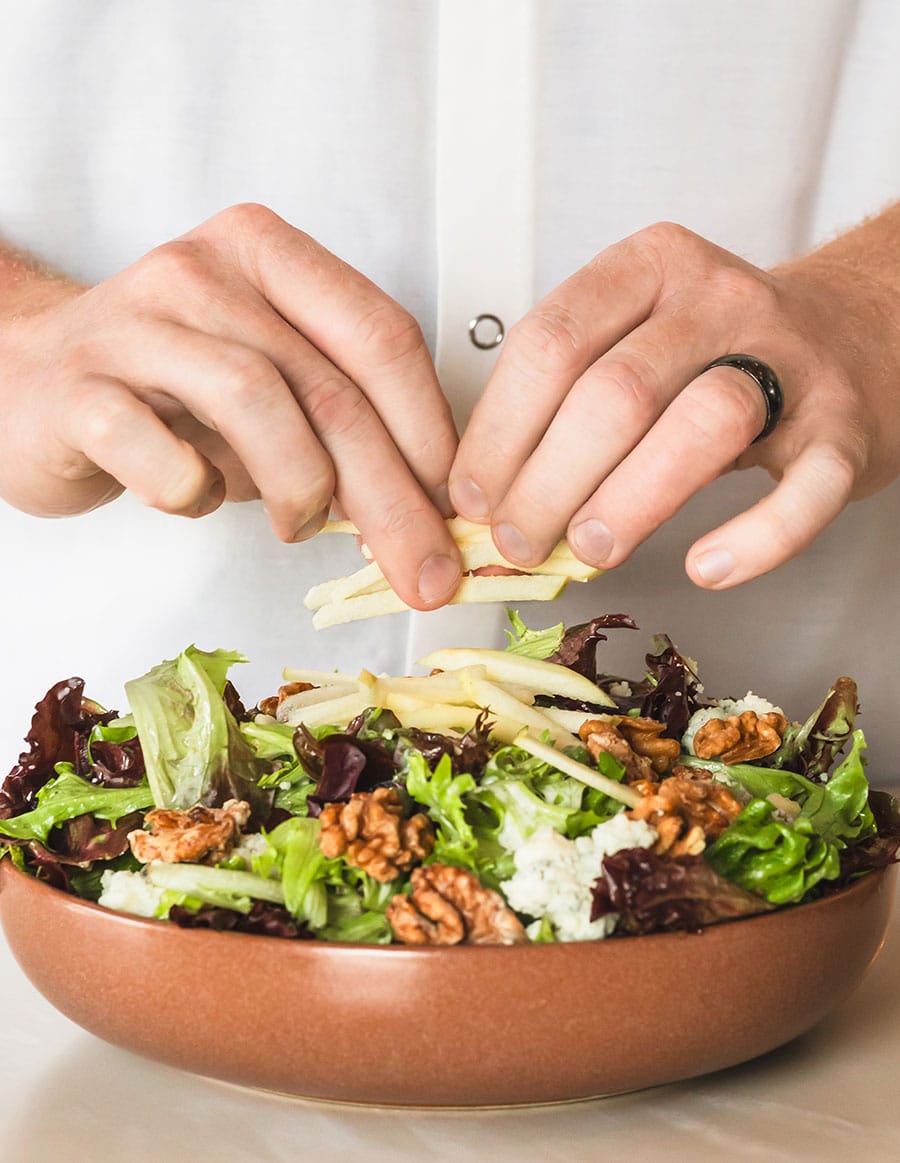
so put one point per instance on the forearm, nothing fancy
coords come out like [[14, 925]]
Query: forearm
[[860, 272], [848, 291], [867, 253]]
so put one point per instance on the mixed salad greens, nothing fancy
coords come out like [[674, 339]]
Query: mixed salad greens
[[571, 817]]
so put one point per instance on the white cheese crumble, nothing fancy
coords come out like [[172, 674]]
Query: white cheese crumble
[[130, 892], [723, 709], [554, 876], [251, 846]]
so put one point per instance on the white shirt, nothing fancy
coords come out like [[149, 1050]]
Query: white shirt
[[765, 127]]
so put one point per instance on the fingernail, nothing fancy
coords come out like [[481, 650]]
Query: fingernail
[[313, 526], [592, 540], [512, 543], [715, 565], [213, 498], [468, 499], [442, 500], [438, 578]]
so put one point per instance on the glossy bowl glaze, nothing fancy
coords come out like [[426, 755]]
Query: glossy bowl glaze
[[463, 1026]]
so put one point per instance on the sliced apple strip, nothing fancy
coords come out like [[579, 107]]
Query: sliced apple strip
[[318, 677], [446, 687], [319, 694], [571, 720], [548, 678], [340, 527], [443, 718], [369, 578], [337, 711], [580, 771], [497, 701], [522, 588]]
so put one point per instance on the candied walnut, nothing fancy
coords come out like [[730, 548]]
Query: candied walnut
[[373, 834], [740, 738], [270, 705], [200, 835], [605, 735], [686, 812], [645, 737], [449, 906]]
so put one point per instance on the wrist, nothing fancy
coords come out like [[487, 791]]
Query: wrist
[[27, 289]]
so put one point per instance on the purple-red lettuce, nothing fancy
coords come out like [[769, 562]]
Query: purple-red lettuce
[[263, 919], [61, 732], [654, 894], [578, 649]]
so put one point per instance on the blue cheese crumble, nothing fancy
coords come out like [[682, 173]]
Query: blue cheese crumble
[[554, 876]]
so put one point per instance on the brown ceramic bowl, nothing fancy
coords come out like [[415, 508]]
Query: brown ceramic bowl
[[445, 1027]]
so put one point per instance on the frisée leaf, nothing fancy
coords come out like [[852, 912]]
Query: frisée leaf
[[193, 747]]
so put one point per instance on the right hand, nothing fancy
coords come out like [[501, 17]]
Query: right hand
[[240, 360]]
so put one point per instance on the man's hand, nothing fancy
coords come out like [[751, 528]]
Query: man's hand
[[240, 360], [596, 422]]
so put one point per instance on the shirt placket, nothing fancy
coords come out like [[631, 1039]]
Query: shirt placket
[[484, 223]]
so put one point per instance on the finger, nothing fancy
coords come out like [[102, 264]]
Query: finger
[[700, 435], [373, 483], [333, 443], [543, 356], [815, 488], [375, 488], [110, 428], [604, 416], [363, 332], [238, 392]]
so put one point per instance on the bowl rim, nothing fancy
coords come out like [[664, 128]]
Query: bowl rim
[[70, 901]]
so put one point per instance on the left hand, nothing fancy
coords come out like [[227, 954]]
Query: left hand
[[596, 422]]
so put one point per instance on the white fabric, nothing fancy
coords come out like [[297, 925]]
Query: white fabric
[[122, 124]]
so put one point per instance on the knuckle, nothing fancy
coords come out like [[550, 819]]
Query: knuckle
[[553, 334], [182, 264], [401, 518], [334, 406], [102, 418], [390, 333], [661, 239], [632, 385], [733, 287], [252, 382], [837, 467], [244, 218], [81, 357]]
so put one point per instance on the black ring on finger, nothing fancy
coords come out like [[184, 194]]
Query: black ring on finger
[[764, 378]]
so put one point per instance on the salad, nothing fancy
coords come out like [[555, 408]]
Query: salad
[[511, 796]]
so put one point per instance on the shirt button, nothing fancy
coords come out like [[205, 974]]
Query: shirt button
[[486, 331]]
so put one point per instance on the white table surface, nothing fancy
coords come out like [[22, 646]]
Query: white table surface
[[66, 1097]]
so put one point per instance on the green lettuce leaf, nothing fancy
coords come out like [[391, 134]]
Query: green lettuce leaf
[[838, 810], [67, 796], [302, 865], [442, 792], [192, 745], [780, 861], [532, 643]]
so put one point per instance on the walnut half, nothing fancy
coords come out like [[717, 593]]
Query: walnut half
[[373, 834], [201, 834], [637, 744], [686, 811], [740, 738], [449, 906]]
